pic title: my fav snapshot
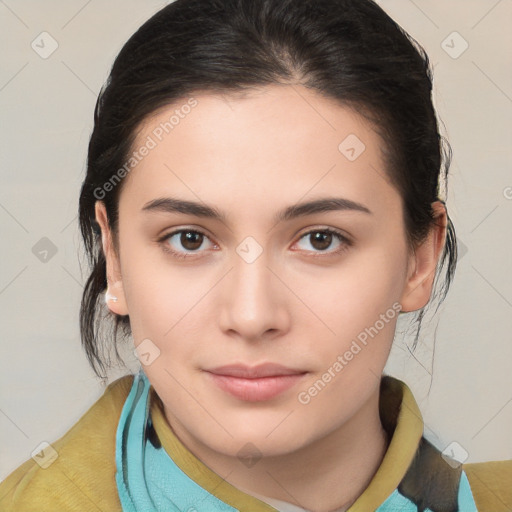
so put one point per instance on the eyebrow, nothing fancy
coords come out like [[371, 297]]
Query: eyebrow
[[328, 204]]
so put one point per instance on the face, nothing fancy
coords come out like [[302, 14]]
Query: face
[[262, 320]]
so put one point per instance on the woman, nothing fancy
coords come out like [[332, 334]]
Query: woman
[[261, 203]]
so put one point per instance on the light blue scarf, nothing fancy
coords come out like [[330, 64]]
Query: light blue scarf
[[148, 480]]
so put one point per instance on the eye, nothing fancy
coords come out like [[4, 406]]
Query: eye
[[186, 243], [189, 239], [322, 239]]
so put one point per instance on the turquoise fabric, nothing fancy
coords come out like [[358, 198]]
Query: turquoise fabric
[[148, 480]]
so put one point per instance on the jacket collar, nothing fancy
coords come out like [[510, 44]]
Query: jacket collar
[[409, 462]]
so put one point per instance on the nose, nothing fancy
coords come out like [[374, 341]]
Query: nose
[[253, 301]]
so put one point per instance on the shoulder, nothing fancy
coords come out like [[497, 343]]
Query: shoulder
[[491, 485], [433, 483], [76, 472]]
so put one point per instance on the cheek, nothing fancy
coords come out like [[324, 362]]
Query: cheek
[[351, 296], [356, 309], [165, 302], [361, 311]]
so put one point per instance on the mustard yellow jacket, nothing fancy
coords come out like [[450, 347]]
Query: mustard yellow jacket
[[82, 478]]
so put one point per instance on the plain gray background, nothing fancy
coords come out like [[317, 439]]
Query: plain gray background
[[463, 387]]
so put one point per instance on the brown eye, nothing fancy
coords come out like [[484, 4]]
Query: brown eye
[[191, 240], [321, 239], [184, 243]]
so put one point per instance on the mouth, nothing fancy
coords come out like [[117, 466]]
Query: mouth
[[256, 383]]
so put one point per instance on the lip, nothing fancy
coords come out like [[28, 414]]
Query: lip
[[255, 383]]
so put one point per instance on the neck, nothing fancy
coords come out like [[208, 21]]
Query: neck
[[329, 474]]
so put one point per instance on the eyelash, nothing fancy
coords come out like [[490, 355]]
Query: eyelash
[[345, 242]]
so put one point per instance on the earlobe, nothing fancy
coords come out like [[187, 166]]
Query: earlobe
[[114, 293], [423, 263], [115, 299], [109, 297]]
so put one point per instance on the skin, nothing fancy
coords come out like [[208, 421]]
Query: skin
[[251, 157]]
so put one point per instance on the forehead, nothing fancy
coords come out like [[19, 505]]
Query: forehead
[[278, 142]]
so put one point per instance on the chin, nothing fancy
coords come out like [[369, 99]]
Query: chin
[[257, 440], [250, 448]]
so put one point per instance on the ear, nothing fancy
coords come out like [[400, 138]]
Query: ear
[[114, 277], [423, 262]]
